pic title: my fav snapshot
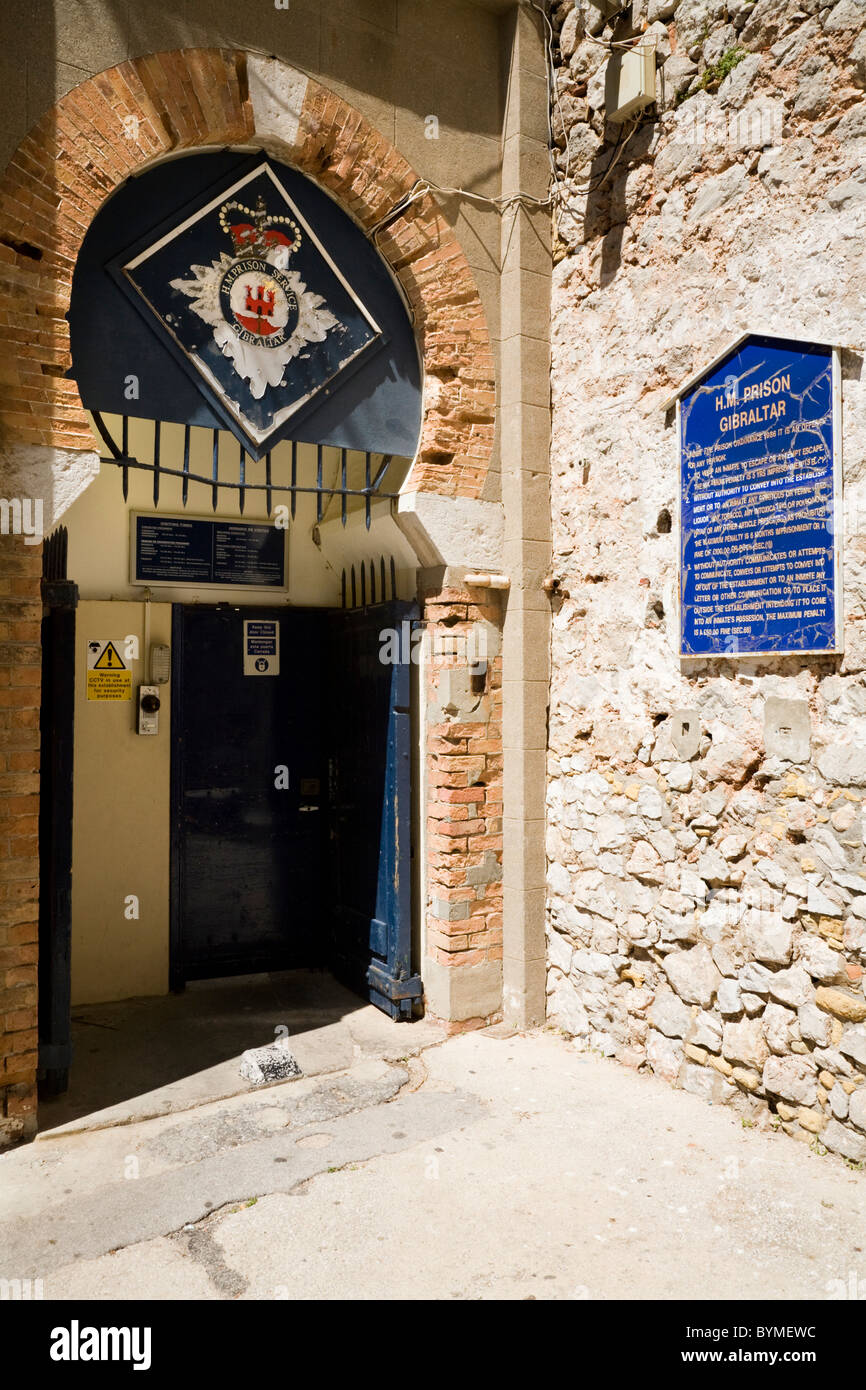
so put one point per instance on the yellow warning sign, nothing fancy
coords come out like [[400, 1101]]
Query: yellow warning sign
[[108, 677], [109, 659]]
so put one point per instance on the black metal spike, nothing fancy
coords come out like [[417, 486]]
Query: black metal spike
[[185, 485], [242, 477], [294, 474], [215, 467], [105, 433], [156, 443], [383, 469]]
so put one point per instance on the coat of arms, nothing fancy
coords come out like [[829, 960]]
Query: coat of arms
[[261, 312], [281, 320]]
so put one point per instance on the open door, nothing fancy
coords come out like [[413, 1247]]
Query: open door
[[369, 742], [59, 598]]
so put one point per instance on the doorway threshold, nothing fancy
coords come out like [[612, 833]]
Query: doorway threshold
[[146, 1057]]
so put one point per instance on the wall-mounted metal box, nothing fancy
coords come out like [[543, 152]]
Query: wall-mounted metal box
[[630, 82]]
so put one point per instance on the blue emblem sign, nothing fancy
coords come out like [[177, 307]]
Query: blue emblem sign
[[253, 305], [759, 504]]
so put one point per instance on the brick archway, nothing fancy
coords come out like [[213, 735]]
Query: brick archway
[[127, 117], [100, 133]]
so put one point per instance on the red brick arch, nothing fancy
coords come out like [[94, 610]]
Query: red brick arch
[[140, 111]]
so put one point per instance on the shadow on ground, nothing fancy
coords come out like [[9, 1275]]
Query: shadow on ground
[[144, 1057]]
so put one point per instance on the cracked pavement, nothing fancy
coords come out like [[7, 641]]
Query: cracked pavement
[[489, 1166]]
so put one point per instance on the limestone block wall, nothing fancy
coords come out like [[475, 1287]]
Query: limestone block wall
[[707, 894]]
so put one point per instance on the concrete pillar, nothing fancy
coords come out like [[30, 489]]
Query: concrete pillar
[[525, 450]]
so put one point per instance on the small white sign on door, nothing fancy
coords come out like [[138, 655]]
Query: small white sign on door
[[261, 647]]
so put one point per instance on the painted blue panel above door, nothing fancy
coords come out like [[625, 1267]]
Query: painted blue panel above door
[[126, 363]]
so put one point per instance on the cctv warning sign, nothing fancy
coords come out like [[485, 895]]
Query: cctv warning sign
[[108, 676]]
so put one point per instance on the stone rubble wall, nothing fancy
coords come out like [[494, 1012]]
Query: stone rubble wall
[[707, 894]]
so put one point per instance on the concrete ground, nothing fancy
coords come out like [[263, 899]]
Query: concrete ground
[[144, 1057], [487, 1166]]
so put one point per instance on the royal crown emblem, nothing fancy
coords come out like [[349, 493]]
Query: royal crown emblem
[[262, 232]]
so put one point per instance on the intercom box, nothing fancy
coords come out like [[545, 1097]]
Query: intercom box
[[149, 701]]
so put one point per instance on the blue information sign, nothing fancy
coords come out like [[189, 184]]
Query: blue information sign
[[758, 505], [181, 550]]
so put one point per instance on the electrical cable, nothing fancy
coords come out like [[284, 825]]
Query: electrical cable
[[559, 191], [560, 196], [424, 186]]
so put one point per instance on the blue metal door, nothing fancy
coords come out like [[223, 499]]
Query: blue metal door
[[369, 746]]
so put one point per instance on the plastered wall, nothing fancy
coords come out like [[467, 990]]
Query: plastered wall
[[120, 842]]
